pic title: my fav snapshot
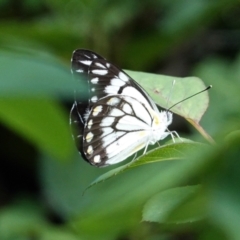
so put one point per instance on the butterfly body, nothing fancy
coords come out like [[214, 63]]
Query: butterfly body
[[117, 118]]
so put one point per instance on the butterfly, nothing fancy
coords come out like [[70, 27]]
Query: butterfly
[[112, 116]]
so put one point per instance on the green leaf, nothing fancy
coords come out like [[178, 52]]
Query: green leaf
[[31, 73], [59, 233], [42, 121], [171, 151], [109, 208], [159, 88], [175, 205], [25, 219], [215, 71], [20, 219], [27, 105], [114, 206], [223, 187]]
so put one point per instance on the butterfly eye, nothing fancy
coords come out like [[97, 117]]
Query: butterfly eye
[[169, 117]]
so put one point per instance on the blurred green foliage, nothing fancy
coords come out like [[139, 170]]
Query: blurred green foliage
[[42, 178]]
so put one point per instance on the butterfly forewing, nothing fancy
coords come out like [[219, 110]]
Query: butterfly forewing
[[100, 78], [82, 59], [81, 62], [107, 79]]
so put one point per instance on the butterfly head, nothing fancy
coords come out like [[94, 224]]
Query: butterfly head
[[162, 119], [165, 118]]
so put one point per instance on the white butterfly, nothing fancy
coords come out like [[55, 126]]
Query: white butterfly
[[112, 117]]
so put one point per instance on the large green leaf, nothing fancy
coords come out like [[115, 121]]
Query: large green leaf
[[171, 151], [40, 120], [107, 208], [33, 73], [114, 205], [30, 80], [165, 206]]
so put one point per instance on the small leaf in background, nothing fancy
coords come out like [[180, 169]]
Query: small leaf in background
[[224, 76], [162, 207], [159, 87], [223, 188], [25, 219]]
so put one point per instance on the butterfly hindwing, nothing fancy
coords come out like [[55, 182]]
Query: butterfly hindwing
[[116, 124]]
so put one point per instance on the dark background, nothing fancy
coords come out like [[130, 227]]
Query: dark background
[[41, 175]]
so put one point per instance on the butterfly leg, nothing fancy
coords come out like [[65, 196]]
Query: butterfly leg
[[177, 135], [145, 150], [172, 133], [134, 158], [172, 136]]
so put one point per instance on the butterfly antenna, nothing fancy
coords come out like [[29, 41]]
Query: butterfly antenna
[[170, 94], [207, 88]]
